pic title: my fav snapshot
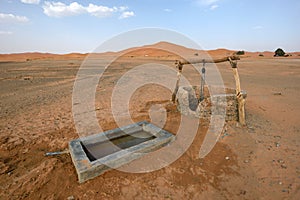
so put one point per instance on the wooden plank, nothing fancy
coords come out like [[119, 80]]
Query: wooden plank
[[228, 58]]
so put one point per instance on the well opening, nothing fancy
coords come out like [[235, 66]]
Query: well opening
[[224, 99]]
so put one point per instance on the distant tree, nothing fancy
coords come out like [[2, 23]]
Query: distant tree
[[261, 55], [279, 52], [196, 54], [240, 53]]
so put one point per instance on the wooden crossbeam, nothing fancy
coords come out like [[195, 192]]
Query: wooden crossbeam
[[197, 61]]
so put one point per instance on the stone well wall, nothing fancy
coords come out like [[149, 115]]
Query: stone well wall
[[216, 101]]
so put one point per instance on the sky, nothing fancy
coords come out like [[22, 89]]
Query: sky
[[65, 26]]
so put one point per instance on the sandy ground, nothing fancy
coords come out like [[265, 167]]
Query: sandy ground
[[260, 161]]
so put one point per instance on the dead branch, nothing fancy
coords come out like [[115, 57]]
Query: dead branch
[[219, 60]]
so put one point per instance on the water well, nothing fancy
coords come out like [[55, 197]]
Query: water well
[[224, 100]]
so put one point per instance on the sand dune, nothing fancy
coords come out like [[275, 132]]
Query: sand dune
[[160, 49]]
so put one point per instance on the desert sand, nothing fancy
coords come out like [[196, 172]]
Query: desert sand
[[258, 161]]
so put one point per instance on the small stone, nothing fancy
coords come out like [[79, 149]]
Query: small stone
[[246, 161], [226, 158], [283, 166], [71, 198], [277, 144], [27, 78], [251, 130], [243, 192], [280, 161], [280, 183], [25, 150]]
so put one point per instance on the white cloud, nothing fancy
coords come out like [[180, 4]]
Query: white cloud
[[211, 4], [6, 32], [257, 27], [127, 14], [31, 1], [101, 11], [207, 2], [59, 9], [11, 18], [123, 8], [167, 10], [213, 7]]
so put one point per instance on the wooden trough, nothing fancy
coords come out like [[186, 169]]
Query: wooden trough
[[95, 154]]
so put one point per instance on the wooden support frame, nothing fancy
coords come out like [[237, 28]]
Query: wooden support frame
[[239, 94], [233, 62]]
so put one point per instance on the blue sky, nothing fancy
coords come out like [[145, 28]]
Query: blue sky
[[64, 26]]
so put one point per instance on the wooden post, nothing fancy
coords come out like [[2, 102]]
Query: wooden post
[[239, 95], [179, 66], [241, 107]]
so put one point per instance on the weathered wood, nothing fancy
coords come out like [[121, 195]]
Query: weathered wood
[[228, 58], [237, 81], [240, 97], [241, 109], [179, 66], [176, 87]]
